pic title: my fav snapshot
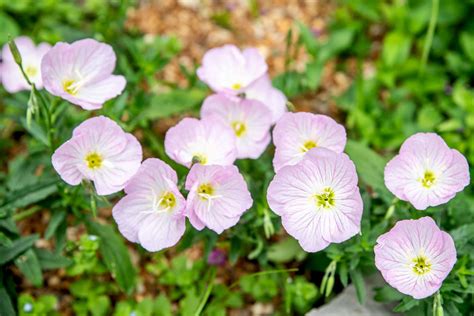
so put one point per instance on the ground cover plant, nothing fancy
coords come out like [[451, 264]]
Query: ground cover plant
[[222, 192]]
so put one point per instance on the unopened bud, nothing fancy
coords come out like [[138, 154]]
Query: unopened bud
[[15, 52]]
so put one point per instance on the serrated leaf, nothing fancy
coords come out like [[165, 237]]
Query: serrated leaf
[[16, 248], [116, 256]]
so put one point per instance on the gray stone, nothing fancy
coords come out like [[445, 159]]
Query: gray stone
[[346, 304]]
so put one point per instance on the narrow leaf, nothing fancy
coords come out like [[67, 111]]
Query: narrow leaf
[[16, 248], [115, 255]]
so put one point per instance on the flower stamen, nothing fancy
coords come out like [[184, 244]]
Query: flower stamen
[[421, 265], [326, 199], [94, 160], [428, 179], [307, 146], [239, 128]]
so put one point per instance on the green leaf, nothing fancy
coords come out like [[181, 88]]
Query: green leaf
[[343, 273], [9, 28], [396, 49], [174, 102], [30, 195], [284, 251], [406, 304], [56, 220], [49, 260], [116, 256], [387, 294], [36, 131], [462, 235], [358, 281], [308, 39], [467, 44], [29, 265], [370, 167], [339, 40], [6, 305], [98, 305], [17, 247], [162, 306]]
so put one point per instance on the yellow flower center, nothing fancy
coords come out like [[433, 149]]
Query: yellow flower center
[[428, 179], [421, 265], [205, 190], [236, 86], [308, 145], [31, 71], [199, 158], [94, 160], [70, 87], [326, 199], [239, 128], [168, 201]]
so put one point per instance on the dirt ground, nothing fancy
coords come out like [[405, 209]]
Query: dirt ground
[[204, 24]]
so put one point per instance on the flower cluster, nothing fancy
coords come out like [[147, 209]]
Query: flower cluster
[[416, 256], [314, 191], [315, 187]]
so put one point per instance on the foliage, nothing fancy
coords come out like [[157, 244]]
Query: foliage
[[395, 92]]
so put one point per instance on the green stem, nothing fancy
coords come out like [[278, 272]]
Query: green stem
[[207, 293], [25, 214], [430, 34]]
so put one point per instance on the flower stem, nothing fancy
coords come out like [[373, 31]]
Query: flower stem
[[429, 34], [207, 293]]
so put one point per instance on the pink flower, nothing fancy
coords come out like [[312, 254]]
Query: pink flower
[[31, 56], [152, 211], [227, 69], [100, 151], [81, 73], [296, 133], [263, 91], [415, 257], [206, 141], [318, 199], [249, 119], [426, 172], [218, 196]]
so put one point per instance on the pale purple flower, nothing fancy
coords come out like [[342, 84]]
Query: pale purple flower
[[206, 141], [263, 91], [99, 151], [218, 196], [415, 257], [296, 133], [81, 73], [31, 55], [249, 119], [217, 257], [318, 199], [152, 211], [426, 172], [227, 69]]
